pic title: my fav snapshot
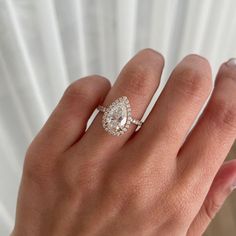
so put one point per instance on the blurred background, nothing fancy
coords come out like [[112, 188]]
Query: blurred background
[[47, 44]]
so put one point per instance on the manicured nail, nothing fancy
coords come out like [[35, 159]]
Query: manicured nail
[[231, 62]]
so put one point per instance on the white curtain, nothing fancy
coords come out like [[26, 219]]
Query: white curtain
[[46, 44]]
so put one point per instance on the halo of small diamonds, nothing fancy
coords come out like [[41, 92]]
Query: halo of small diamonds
[[117, 117]]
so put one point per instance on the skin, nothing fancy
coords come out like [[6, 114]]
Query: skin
[[159, 180]]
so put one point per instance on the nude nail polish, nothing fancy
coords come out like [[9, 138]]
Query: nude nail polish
[[231, 62]]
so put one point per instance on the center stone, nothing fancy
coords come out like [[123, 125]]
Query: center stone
[[117, 117]]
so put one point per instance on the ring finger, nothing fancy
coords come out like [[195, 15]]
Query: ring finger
[[138, 81]]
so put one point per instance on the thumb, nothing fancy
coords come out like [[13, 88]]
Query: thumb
[[223, 184]]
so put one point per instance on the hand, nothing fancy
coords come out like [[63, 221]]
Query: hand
[[151, 182]]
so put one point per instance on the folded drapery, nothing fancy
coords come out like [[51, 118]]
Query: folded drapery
[[46, 44]]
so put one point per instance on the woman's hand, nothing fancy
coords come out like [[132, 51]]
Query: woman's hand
[[151, 182]]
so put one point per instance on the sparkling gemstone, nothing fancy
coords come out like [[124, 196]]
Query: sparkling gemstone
[[117, 117]]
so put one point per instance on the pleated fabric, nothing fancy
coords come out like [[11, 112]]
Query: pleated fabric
[[46, 44]]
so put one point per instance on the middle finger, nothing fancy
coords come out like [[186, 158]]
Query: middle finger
[[177, 107]]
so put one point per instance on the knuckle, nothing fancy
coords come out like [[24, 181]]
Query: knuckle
[[40, 164], [148, 52], [142, 72], [78, 90], [223, 113], [192, 82], [139, 80], [84, 87]]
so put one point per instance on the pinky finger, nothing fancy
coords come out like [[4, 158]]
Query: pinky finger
[[223, 184]]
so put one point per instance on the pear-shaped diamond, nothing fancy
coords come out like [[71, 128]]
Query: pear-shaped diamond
[[116, 119]]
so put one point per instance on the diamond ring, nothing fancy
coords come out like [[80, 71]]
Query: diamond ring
[[117, 117]]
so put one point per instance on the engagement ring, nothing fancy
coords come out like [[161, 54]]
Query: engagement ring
[[117, 117]]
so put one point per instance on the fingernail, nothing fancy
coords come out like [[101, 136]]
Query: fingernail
[[233, 187], [231, 62]]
